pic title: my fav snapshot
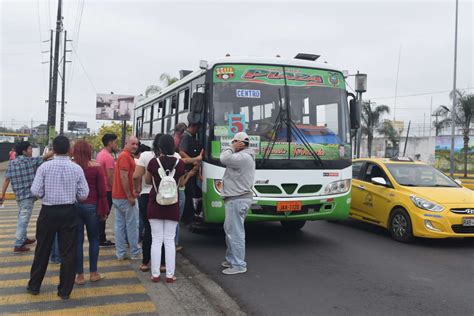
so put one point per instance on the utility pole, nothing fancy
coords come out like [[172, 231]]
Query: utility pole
[[431, 114], [424, 121], [54, 87], [453, 109], [63, 87]]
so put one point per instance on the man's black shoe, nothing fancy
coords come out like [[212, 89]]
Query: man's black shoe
[[107, 243], [63, 297], [32, 292]]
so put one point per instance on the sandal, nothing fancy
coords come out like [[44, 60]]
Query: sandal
[[98, 278], [144, 267], [170, 280], [79, 282]]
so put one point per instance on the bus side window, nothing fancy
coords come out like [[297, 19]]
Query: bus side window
[[183, 100], [173, 104]]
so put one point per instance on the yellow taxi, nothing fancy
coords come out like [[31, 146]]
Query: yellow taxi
[[410, 199]]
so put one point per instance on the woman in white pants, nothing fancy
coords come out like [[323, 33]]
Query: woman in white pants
[[163, 218]]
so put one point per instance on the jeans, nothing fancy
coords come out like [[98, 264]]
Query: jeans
[[181, 201], [126, 228], [235, 213], [146, 244], [54, 256], [25, 208], [163, 231], [87, 215]]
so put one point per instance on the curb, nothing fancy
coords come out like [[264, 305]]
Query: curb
[[214, 292]]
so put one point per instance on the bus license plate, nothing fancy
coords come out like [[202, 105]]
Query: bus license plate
[[468, 221], [289, 206]]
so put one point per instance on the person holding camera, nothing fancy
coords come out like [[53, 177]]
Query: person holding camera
[[238, 181]]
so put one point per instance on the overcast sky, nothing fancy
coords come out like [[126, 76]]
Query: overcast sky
[[124, 46]]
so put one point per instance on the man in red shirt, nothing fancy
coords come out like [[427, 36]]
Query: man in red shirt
[[124, 200], [106, 160]]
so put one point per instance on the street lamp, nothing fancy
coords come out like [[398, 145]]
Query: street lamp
[[360, 87], [451, 154]]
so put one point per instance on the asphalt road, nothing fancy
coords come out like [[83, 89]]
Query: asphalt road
[[348, 268]]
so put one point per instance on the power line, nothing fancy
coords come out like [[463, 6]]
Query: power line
[[83, 68], [418, 94]]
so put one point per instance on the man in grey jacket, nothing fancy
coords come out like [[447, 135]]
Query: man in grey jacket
[[238, 180]]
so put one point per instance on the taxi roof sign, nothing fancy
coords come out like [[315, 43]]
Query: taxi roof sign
[[401, 159]]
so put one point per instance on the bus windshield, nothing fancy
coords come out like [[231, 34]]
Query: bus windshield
[[250, 98]]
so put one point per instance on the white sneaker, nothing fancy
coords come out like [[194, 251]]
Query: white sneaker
[[138, 257], [231, 271], [226, 264]]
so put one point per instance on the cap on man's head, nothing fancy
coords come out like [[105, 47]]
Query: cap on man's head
[[241, 137]]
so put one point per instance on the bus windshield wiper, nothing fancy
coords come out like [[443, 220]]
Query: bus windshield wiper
[[283, 117]]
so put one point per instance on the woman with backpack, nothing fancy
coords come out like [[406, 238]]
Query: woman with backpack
[[164, 174]]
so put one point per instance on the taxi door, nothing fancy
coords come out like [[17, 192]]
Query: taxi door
[[378, 199], [357, 192]]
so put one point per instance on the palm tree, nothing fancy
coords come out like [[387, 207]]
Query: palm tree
[[463, 116], [445, 121], [168, 79], [371, 121], [152, 90]]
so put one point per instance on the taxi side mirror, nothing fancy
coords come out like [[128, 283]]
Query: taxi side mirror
[[379, 181]]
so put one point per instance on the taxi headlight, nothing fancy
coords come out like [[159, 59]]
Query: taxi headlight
[[337, 187], [426, 205]]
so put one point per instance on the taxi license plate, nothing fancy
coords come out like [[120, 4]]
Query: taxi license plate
[[468, 221], [289, 206]]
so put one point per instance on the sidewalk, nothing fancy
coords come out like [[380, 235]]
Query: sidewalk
[[125, 290]]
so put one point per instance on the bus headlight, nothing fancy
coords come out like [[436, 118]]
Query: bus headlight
[[337, 187], [218, 185]]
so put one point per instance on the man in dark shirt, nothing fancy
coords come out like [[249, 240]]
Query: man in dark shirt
[[190, 148]]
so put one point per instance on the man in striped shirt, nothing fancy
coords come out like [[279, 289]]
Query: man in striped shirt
[[60, 183]]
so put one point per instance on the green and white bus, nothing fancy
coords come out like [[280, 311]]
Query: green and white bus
[[296, 112]]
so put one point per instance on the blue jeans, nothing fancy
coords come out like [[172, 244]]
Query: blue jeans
[[25, 208], [126, 227], [181, 201], [235, 213], [87, 215], [54, 256]]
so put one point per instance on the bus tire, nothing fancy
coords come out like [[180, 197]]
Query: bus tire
[[292, 225], [400, 226]]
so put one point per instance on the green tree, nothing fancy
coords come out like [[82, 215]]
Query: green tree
[[463, 117], [387, 129], [371, 117], [167, 79], [112, 128]]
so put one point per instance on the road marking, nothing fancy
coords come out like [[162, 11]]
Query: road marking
[[54, 280], [114, 309], [77, 293], [55, 267], [29, 257]]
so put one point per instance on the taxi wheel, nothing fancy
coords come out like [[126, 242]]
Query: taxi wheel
[[400, 226], [293, 225]]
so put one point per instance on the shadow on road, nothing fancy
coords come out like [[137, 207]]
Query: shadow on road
[[425, 242]]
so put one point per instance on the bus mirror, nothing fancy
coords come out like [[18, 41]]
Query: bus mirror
[[355, 114], [197, 102]]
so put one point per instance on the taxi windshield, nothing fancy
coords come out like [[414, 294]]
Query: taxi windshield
[[417, 175]]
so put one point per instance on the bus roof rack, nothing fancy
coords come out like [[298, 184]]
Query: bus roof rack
[[305, 56], [401, 159]]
